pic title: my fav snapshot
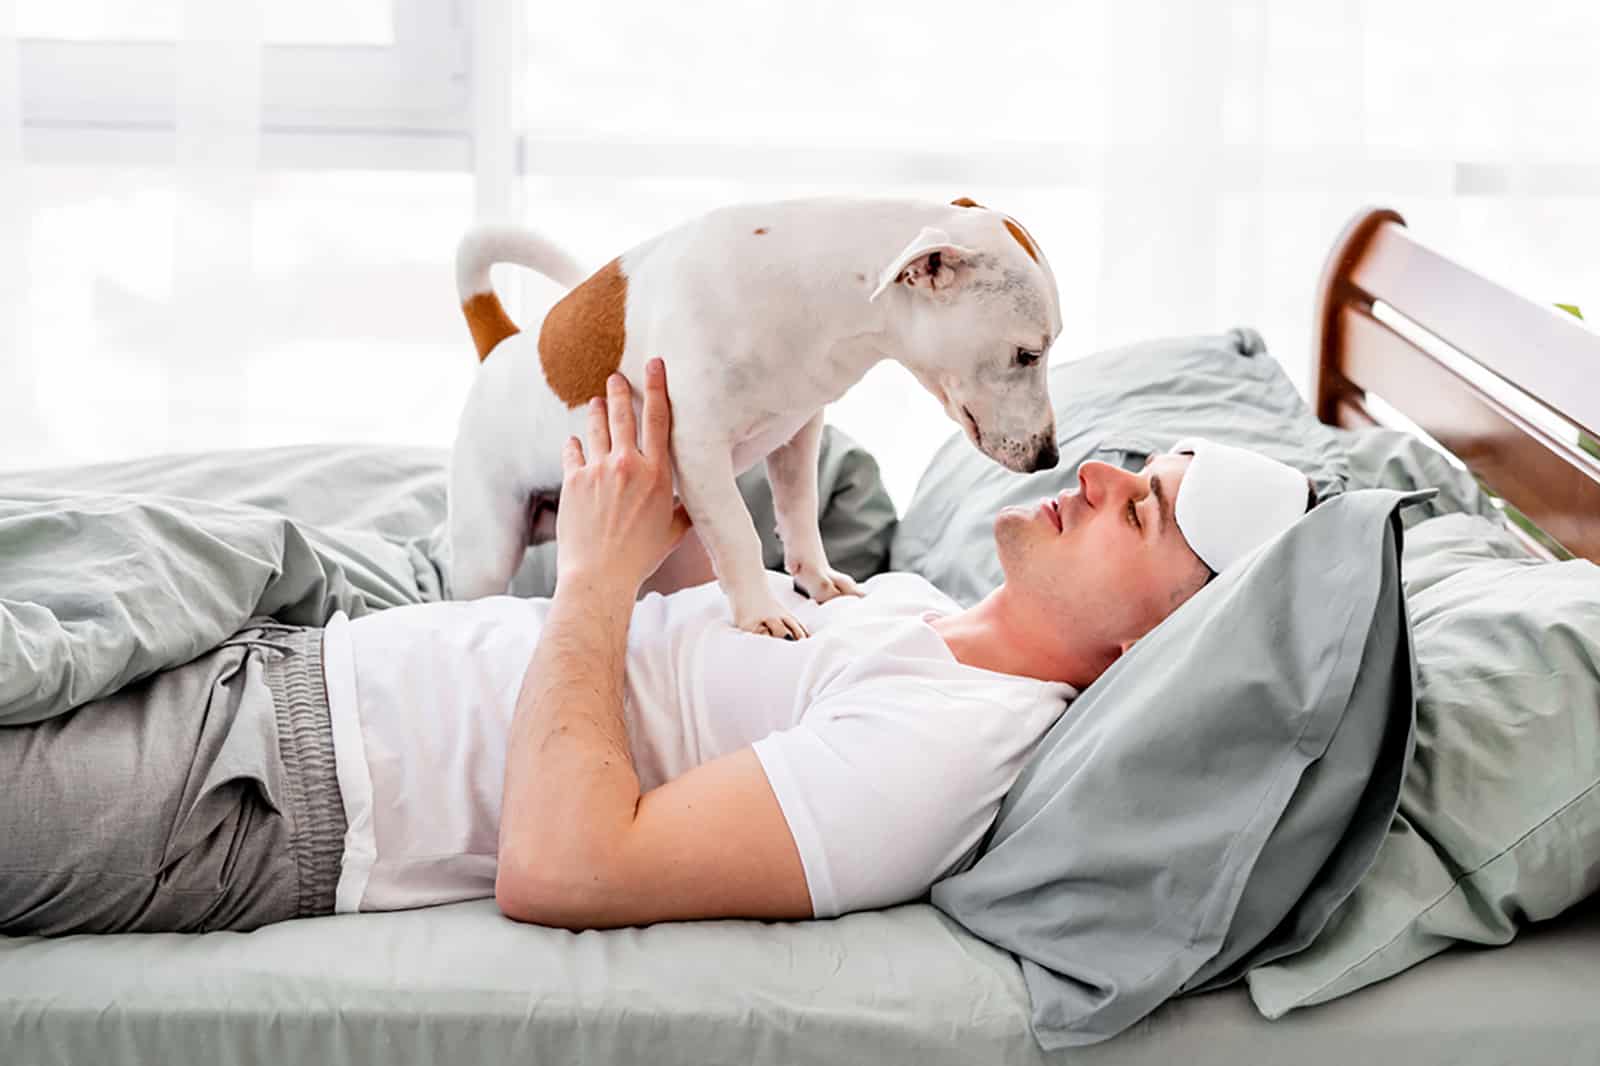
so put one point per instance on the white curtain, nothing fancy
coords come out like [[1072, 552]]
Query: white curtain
[[212, 312], [19, 412], [246, 243]]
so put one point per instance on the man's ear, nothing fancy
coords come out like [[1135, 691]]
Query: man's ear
[[930, 262]]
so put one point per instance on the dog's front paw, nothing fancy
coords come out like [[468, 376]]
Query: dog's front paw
[[769, 619], [823, 583]]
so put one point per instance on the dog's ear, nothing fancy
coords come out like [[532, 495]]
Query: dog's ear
[[929, 262]]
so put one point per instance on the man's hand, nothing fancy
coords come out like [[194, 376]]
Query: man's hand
[[617, 520]]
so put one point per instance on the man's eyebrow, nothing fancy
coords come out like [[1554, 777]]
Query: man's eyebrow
[[1163, 506]]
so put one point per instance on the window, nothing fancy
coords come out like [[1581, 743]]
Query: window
[[1185, 168], [338, 81]]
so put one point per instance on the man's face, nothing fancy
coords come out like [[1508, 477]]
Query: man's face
[[1108, 553]]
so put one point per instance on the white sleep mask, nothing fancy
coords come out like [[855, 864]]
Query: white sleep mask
[[1232, 500]]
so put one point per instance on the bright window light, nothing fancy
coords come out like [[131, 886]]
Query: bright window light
[[368, 22]]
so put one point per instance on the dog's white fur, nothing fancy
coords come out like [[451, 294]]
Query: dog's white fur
[[764, 313]]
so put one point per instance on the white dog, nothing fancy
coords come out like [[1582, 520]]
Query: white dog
[[763, 313]]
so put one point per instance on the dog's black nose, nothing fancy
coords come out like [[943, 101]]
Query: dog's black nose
[[1047, 456]]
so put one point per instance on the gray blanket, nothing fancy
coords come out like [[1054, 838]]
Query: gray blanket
[[109, 573]]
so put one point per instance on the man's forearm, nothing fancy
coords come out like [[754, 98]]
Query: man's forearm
[[570, 787]]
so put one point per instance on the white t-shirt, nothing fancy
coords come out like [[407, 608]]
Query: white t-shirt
[[888, 757]]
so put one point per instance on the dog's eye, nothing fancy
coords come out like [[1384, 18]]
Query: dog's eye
[[1026, 358]]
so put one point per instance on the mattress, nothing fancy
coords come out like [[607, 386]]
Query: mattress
[[460, 983]]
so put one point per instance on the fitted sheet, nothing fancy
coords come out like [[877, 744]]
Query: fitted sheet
[[459, 983]]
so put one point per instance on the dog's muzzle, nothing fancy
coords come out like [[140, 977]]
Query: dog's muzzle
[[1046, 457]]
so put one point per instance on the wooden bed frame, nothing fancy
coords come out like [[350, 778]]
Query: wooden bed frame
[[1394, 321]]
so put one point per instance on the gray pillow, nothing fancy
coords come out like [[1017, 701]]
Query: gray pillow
[[1117, 406], [856, 517], [1138, 852], [1499, 820]]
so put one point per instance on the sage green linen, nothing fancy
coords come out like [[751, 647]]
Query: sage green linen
[[1499, 820], [905, 985], [458, 984], [1382, 458], [1139, 852]]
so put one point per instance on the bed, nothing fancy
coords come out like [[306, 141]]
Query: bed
[[905, 985]]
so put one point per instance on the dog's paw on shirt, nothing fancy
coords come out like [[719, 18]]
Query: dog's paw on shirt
[[770, 620], [823, 583]]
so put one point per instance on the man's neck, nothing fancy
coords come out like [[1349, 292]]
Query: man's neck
[[996, 634]]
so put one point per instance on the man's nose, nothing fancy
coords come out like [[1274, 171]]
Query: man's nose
[[1100, 480]]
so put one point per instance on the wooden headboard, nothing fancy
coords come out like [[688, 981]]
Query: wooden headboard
[[1395, 319]]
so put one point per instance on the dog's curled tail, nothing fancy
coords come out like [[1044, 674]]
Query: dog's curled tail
[[481, 248]]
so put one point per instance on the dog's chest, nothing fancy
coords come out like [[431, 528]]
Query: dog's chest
[[766, 434]]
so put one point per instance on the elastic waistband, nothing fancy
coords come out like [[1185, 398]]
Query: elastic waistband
[[305, 740]]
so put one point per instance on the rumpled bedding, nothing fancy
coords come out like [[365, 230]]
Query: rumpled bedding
[[112, 572]]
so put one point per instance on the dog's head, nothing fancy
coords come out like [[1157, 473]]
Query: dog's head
[[973, 310]]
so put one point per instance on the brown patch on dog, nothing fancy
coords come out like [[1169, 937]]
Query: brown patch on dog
[[1023, 238], [760, 230], [488, 321], [581, 341]]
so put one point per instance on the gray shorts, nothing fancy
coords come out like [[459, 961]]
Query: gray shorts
[[202, 798]]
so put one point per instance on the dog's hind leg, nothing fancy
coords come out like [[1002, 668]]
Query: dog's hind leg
[[488, 535]]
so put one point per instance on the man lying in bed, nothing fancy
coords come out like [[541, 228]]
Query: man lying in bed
[[592, 761]]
